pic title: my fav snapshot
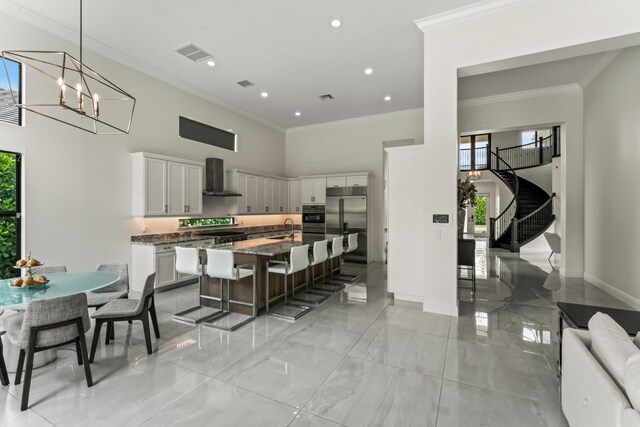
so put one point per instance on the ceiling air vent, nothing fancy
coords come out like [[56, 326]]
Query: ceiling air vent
[[245, 83], [327, 97], [193, 52]]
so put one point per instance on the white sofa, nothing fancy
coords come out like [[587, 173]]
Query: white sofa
[[590, 397]]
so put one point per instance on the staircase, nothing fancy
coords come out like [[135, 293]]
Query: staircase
[[530, 212], [533, 212]]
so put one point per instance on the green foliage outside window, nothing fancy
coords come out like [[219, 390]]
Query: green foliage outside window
[[8, 226], [204, 222], [481, 210]]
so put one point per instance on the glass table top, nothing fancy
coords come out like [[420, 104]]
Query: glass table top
[[60, 284]]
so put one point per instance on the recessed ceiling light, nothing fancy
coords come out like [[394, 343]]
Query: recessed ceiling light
[[336, 23], [387, 98], [264, 94], [211, 63], [368, 71], [298, 113]]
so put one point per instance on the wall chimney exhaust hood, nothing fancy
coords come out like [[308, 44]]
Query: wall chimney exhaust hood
[[214, 179]]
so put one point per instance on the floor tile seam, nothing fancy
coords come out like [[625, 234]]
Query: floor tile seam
[[530, 356], [173, 402], [259, 394], [446, 350], [315, 415], [18, 400], [504, 393], [414, 331], [318, 348], [400, 367]]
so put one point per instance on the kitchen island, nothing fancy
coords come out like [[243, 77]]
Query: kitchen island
[[258, 252]]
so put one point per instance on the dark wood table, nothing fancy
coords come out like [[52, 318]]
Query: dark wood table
[[577, 316]]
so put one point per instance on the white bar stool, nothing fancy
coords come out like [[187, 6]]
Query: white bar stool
[[337, 249], [220, 265], [188, 262], [298, 261], [352, 246], [320, 255]]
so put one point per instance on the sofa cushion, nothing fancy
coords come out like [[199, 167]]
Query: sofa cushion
[[611, 346], [632, 380]]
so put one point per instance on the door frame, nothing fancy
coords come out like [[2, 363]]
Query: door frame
[[17, 214], [487, 211]]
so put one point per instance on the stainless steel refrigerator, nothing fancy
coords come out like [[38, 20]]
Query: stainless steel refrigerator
[[346, 213]]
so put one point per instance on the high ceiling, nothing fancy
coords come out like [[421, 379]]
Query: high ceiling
[[286, 47]]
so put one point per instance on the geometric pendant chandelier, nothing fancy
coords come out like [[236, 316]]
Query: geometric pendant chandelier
[[72, 93]]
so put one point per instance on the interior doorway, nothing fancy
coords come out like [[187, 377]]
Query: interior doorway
[[480, 215]]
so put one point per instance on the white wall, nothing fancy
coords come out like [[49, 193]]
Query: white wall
[[353, 146], [78, 186], [612, 155], [565, 108], [457, 44]]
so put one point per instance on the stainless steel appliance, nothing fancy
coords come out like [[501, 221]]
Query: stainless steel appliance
[[214, 179], [313, 223], [346, 213]]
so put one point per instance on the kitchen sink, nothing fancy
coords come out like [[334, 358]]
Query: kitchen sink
[[278, 237]]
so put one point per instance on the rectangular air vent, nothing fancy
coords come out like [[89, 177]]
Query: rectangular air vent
[[245, 83], [327, 97], [193, 52]]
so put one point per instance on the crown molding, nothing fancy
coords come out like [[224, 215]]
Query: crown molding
[[467, 12], [514, 96], [390, 115], [30, 17], [599, 67]]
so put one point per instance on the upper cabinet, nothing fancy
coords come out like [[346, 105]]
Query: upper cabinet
[[313, 191], [165, 186], [295, 196], [357, 181], [336, 181]]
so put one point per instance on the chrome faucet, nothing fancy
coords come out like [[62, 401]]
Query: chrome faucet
[[292, 225]]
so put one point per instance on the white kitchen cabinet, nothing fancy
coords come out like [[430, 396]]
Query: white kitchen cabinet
[[277, 200], [153, 179], [295, 196], [357, 181], [284, 196], [336, 181], [166, 269], [164, 186], [313, 191], [260, 204], [268, 196], [252, 194], [239, 184]]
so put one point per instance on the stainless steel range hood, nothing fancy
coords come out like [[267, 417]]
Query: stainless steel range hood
[[214, 179]]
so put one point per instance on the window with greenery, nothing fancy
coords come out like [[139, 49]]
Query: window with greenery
[[9, 113], [205, 222], [10, 218]]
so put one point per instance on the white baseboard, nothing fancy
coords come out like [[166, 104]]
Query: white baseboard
[[446, 309], [573, 274], [408, 297], [624, 297]]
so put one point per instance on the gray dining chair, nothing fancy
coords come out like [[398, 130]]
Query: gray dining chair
[[4, 377], [120, 310], [48, 324], [49, 269], [117, 290]]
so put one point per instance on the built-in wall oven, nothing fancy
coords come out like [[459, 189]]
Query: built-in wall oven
[[313, 223]]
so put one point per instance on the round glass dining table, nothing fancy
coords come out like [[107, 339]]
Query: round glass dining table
[[60, 284]]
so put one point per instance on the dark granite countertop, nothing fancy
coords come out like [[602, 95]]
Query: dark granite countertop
[[264, 247], [203, 234]]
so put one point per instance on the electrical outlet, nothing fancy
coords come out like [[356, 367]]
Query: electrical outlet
[[437, 234]]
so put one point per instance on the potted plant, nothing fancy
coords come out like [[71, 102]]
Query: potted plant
[[466, 197]]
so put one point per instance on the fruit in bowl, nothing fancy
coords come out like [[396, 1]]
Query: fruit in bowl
[[40, 280], [21, 263], [17, 282], [27, 282]]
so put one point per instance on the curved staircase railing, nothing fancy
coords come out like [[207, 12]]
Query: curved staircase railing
[[535, 153], [528, 227], [504, 220]]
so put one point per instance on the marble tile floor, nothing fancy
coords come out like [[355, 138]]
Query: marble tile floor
[[350, 362]]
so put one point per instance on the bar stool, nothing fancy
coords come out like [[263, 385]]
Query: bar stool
[[188, 262], [337, 249], [352, 246], [220, 265], [298, 261], [320, 255]]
